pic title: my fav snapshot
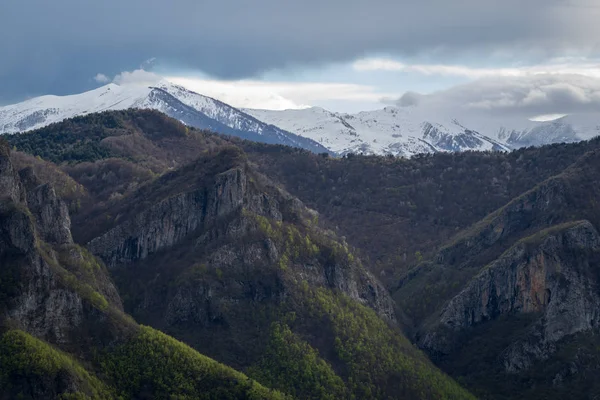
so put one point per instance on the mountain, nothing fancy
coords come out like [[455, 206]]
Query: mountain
[[319, 277], [149, 220], [400, 131], [406, 131], [388, 131], [63, 331], [188, 107], [566, 129], [491, 257]]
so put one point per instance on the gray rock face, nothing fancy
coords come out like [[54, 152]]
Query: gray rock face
[[171, 220], [541, 206], [36, 296], [10, 185], [17, 234], [45, 308], [550, 276], [219, 216], [203, 301], [51, 215], [39, 303]]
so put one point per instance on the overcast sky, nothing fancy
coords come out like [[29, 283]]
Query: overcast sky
[[341, 54]]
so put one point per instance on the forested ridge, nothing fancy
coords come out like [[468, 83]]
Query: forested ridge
[[321, 277]]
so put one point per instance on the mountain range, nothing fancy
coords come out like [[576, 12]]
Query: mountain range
[[399, 131], [144, 258], [175, 101]]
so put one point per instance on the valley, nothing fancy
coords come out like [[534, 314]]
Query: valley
[[451, 275]]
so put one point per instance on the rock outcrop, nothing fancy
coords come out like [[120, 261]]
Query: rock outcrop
[[222, 253], [169, 221], [40, 295], [541, 206], [10, 185], [550, 274], [51, 215]]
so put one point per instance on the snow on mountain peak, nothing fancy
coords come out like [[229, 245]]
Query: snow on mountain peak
[[402, 131]]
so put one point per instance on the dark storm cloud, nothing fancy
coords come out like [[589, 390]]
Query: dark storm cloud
[[59, 46]]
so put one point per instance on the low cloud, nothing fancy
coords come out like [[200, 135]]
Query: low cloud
[[409, 99], [137, 77], [528, 95], [556, 67], [282, 95], [101, 78]]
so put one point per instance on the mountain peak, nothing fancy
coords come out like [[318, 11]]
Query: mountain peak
[[173, 100]]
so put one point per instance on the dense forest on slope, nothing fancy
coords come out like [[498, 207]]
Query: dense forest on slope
[[491, 258], [200, 246], [63, 330]]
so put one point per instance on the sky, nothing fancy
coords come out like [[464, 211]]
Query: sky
[[492, 56]]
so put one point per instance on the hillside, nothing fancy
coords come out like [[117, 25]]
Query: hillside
[[63, 330], [490, 258], [191, 108], [210, 251]]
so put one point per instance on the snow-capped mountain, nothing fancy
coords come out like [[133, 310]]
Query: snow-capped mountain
[[191, 108], [406, 131], [402, 131], [398, 131]]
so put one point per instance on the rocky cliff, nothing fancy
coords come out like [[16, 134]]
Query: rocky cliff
[[227, 202], [550, 275], [518, 287], [59, 311], [10, 185], [204, 248], [217, 255]]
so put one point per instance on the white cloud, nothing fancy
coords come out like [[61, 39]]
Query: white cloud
[[564, 66], [547, 117], [525, 95], [101, 78], [137, 77], [281, 95]]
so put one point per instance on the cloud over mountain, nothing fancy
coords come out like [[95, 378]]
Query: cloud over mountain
[[68, 41], [527, 95]]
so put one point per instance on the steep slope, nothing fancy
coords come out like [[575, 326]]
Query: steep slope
[[567, 129], [61, 321], [191, 108], [530, 269], [397, 211], [492, 259], [406, 131], [398, 131], [215, 255]]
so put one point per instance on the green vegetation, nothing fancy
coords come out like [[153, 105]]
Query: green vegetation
[[379, 362], [537, 238], [66, 187], [27, 363], [66, 142], [291, 365], [153, 362], [398, 210], [70, 280], [425, 226], [303, 243], [85, 275]]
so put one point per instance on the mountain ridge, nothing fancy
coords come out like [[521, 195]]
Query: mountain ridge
[[175, 101], [209, 250], [407, 131]]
